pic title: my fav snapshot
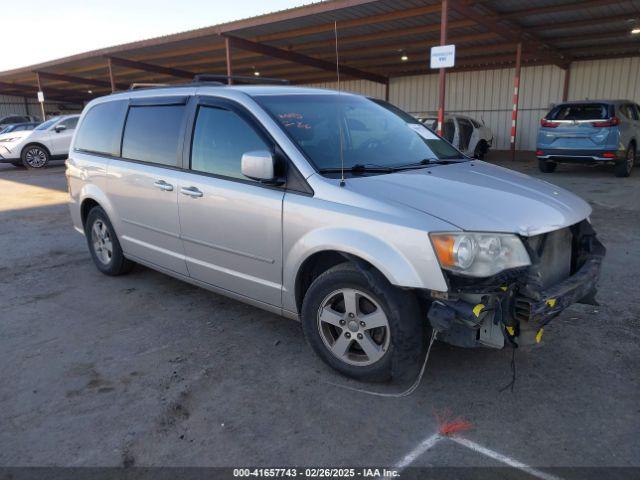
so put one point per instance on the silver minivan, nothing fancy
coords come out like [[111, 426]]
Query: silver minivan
[[328, 208]]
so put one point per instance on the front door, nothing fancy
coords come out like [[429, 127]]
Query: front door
[[61, 136], [231, 226]]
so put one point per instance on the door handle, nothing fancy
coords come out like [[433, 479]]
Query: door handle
[[191, 191], [162, 185]]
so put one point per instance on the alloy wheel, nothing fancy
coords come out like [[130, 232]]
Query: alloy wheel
[[354, 327], [36, 157], [101, 240]]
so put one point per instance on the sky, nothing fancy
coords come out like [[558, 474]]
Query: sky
[[44, 30]]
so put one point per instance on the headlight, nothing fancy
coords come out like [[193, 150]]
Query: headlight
[[479, 254], [12, 139]]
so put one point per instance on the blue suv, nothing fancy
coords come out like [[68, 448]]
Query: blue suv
[[590, 131]]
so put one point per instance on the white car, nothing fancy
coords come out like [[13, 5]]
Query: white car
[[33, 149], [468, 135]]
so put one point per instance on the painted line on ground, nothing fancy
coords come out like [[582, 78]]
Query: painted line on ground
[[421, 448], [503, 458]]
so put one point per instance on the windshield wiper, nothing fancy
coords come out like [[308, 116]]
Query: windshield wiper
[[358, 168], [427, 162]]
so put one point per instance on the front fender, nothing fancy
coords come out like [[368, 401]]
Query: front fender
[[383, 255]]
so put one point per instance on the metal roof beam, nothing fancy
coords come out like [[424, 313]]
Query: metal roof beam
[[513, 33], [34, 89], [566, 7], [242, 44], [355, 22], [147, 67], [78, 80], [582, 23]]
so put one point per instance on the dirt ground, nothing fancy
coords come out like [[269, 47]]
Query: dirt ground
[[146, 370]]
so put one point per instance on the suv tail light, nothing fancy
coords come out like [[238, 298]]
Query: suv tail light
[[546, 123], [612, 122]]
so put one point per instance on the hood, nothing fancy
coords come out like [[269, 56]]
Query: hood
[[477, 196], [17, 135]]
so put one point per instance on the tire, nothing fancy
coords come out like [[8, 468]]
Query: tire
[[481, 150], [546, 166], [624, 166], [35, 156], [390, 350], [104, 245]]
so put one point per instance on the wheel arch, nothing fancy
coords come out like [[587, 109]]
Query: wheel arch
[[324, 249], [90, 196], [35, 144]]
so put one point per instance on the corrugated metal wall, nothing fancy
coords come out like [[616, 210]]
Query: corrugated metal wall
[[363, 87], [614, 78], [487, 95], [12, 105]]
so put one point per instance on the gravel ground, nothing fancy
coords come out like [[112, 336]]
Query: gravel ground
[[147, 370]]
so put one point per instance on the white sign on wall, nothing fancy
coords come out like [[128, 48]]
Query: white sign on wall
[[443, 56], [40, 97]]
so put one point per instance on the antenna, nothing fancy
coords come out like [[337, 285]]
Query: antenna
[[335, 30]]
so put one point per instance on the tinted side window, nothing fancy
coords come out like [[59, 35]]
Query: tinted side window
[[220, 138], [70, 123], [151, 134], [101, 128]]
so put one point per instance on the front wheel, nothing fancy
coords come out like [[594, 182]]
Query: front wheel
[[623, 166], [35, 156], [104, 245], [362, 326]]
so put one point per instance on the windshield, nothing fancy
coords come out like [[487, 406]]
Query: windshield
[[372, 136], [47, 124]]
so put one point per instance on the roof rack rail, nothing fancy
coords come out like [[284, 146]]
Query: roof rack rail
[[224, 79], [138, 86]]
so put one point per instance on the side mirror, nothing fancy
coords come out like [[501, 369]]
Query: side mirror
[[60, 128], [259, 165]]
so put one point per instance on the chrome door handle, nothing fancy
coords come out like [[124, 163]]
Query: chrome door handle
[[191, 191], [162, 185]]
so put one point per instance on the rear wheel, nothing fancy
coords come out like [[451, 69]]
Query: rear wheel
[[546, 167], [104, 245], [363, 326], [35, 156], [623, 166]]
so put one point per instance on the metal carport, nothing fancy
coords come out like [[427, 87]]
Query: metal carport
[[381, 42]]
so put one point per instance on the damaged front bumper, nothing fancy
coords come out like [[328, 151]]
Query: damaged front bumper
[[514, 307]]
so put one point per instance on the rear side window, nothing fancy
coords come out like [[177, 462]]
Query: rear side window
[[220, 138], [151, 134], [580, 111], [101, 128]]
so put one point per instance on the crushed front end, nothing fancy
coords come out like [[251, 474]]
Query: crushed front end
[[513, 306]]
